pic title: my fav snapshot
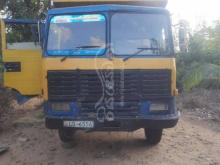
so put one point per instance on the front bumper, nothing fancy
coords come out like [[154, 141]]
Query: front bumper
[[121, 124]]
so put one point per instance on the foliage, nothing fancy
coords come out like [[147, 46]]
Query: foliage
[[25, 9], [204, 75], [201, 65], [21, 33]]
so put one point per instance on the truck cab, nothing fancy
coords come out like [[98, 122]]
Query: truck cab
[[108, 66]]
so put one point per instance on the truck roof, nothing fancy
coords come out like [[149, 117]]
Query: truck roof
[[104, 8], [68, 3]]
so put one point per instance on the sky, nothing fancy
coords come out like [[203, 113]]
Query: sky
[[194, 11]]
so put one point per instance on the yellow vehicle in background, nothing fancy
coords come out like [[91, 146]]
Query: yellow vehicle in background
[[104, 65], [22, 57]]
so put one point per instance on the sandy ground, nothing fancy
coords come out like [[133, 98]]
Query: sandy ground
[[194, 141]]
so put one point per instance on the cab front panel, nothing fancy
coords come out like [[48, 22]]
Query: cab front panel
[[77, 84]]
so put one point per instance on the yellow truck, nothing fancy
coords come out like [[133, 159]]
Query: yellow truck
[[103, 65]]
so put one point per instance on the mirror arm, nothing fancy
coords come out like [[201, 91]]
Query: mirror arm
[[39, 32]]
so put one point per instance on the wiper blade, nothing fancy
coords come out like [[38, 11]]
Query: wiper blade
[[139, 51], [148, 48], [81, 47], [87, 47]]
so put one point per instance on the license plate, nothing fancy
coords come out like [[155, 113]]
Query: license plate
[[79, 124]]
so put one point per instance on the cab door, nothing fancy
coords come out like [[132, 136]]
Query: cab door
[[21, 56]]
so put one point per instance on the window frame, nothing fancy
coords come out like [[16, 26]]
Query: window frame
[[21, 22], [72, 56], [169, 35]]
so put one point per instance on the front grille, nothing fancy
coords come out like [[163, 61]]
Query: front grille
[[131, 86], [86, 86]]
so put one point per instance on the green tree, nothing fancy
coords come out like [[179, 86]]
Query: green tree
[[201, 65], [25, 9]]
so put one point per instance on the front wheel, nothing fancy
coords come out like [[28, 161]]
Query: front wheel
[[66, 135], [153, 136]]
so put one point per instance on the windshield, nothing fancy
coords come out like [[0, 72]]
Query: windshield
[[132, 32], [77, 35]]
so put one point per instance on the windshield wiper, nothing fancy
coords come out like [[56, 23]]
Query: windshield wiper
[[140, 51], [80, 47], [87, 47]]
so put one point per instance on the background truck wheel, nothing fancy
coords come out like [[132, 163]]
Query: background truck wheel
[[66, 135], [153, 136]]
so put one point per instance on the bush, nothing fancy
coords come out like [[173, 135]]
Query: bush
[[200, 67], [209, 84], [197, 71]]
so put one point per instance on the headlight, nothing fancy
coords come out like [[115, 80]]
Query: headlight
[[60, 106], [155, 107]]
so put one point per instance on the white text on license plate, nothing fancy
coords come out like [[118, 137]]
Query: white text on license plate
[[79, 124]]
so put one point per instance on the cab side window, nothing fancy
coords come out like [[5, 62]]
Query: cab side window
[[22, 36]]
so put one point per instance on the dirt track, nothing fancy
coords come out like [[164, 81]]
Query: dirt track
[[193, 141]]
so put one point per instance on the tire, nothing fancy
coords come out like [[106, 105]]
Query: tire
[[153, 136], [66, 135]]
